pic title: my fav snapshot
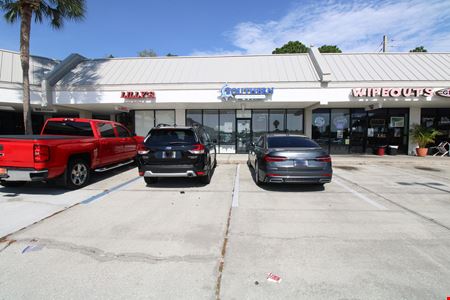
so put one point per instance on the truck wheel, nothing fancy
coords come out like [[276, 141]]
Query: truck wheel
[[150, 180], [77, 174], [12, 183]]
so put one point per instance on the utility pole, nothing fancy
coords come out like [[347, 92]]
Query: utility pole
[[385, 41]]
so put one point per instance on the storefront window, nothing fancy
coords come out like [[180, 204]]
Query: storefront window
[[438, 118], [294, 121], [276, 120], [260, 122], [339, 132], [165, 117], [321, 127], [358, 130], [227, 143], [144, 120], [193, 116], [211, 123]]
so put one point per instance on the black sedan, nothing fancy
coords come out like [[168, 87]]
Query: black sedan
[[284, 158]]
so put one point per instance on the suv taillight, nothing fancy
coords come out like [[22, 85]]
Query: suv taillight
[[41, 153], [268, 158], [198, 149], [325, 158], [142, 150]]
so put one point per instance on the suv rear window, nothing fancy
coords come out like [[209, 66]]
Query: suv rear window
[[68, 128], [290, 142], [170, 137]]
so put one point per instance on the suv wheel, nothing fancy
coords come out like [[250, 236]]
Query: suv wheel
[[207, 178], [150, 180], [77, 174]]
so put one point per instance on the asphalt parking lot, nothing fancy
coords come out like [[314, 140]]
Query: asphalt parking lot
[[378, 231]]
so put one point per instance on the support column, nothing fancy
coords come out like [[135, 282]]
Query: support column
[[308, 122], [414, 118], [180, 116]]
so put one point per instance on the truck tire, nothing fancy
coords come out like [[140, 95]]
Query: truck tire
[[150, 180], [77, 174], [12, 183]]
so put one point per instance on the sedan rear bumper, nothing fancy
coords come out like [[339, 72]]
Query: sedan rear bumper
[[24, 175], [298, 179]]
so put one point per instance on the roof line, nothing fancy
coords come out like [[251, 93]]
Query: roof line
[[32, 55]]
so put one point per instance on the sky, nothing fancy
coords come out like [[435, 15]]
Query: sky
[[233, 27]]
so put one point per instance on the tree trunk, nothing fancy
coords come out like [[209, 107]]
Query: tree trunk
[[25, 28]]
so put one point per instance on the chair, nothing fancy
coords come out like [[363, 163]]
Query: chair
[[442, 149]]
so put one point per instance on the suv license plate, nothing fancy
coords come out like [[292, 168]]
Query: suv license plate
[[3, 171], [169, 154]]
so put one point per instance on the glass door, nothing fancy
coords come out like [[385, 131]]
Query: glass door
[[243, 135]]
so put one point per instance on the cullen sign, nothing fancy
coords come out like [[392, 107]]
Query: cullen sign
[[392, 92]]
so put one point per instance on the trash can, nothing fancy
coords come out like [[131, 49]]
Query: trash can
[[381, 150], [392, 149]]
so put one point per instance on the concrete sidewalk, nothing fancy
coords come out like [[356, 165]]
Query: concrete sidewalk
[[355, 159]]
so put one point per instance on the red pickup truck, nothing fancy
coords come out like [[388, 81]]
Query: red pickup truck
[[67, 150]]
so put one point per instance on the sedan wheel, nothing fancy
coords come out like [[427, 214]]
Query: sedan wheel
[[257, 174]]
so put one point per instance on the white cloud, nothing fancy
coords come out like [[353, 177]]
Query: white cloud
[[216, 52], [355, 26]]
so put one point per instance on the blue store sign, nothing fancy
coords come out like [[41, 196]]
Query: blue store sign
[[227, 92]]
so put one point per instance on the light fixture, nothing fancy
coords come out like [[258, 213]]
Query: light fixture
[[9, 108]]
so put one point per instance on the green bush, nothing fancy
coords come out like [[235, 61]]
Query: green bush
[[423, 135]]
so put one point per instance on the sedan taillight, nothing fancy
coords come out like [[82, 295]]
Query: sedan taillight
[[325, 158], [268, 158], [142, 150], [198, 149], [41, 153]]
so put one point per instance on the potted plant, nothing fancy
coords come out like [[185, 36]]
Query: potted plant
[[423, 136]]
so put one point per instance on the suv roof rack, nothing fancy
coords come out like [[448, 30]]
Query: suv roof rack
[[165, 125]]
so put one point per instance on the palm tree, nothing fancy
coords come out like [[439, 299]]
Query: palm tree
[[54, 10]]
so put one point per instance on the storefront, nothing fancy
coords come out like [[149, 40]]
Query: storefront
[[349, 103]]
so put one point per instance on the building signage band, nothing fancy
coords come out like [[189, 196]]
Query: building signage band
[[444, 92], [392, 92], [228, 92]]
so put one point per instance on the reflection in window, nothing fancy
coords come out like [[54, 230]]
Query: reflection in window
[[227, 141], [260, 122], [211, 123], [193, 116], [276, 120], [165, 117], [294, 121], [144, 120]]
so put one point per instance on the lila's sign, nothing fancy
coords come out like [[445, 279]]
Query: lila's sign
[[138, 95], [392, 92]]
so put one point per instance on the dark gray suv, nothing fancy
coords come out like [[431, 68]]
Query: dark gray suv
[[284, 158], [174, 151]]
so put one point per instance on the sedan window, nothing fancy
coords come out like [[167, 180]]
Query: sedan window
[[291, 142]]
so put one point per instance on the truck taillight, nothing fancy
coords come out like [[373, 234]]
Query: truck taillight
[[198, 149], [142, 150], [41, 153], [268, 158], [325, 158]]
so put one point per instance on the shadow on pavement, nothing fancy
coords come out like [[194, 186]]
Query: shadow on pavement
[[51, 188], [287, 187]]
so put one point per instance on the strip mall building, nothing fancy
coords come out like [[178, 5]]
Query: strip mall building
[[349, 102]]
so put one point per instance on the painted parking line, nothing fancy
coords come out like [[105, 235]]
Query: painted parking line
[[235, 202], [109, 191], [360, 196]]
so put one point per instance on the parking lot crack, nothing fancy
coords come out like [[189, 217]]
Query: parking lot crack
[[104, 256]]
